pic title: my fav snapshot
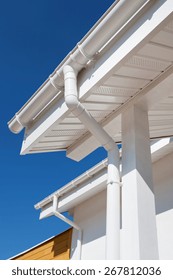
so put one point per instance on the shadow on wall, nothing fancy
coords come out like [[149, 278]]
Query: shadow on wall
[[56, 248], [163, 184]]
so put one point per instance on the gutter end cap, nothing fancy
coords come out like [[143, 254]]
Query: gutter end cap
[[14, 126]]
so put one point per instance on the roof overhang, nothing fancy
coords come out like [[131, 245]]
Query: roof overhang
[[92, 182], [135, 66]]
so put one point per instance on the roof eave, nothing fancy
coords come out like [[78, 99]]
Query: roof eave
[[113, 20]]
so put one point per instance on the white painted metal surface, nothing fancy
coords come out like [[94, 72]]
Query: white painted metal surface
[[95, 180], [82, 194], [113, 183], [82, 113], [84, 53], [134, 68], [113, 207]]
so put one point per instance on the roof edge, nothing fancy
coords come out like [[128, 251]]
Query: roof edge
[[156, 145], [85, 51]]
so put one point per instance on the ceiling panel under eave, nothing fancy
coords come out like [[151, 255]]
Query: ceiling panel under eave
[[145, 73]]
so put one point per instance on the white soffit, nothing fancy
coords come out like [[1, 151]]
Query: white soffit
[[145, 72]]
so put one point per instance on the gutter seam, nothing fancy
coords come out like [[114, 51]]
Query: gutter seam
[[32, 108]]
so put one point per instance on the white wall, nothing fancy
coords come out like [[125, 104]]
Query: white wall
[[91, 217], [163, 187]]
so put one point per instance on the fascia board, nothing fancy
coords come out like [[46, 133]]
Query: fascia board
[[96, 184], [71, 195], [83, 53], [47, 211], [82, 193], [74, 183], [55, 114], [136, 37], [76, 195]]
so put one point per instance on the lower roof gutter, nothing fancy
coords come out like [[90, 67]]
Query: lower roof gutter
[[74, 183], [85, 51]]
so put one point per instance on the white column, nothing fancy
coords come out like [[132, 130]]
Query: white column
[[139, 234]]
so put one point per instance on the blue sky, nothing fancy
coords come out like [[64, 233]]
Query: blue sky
[[35, 37]]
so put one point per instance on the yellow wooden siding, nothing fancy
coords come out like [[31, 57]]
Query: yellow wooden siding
[[56, 248]]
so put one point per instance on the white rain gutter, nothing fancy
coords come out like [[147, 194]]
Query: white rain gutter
[[54, 197], [113, 178], [116, 17], [74, 183]]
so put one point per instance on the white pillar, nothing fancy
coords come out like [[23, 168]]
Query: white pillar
[[139, 234]]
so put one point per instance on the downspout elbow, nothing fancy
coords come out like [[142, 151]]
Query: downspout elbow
[[77, 108], [113, 190], [71, 95]]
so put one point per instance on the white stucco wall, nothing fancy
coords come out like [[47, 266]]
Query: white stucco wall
[[163, 187], [91, 217]]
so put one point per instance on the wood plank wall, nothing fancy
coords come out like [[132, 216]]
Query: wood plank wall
[[56, 248]]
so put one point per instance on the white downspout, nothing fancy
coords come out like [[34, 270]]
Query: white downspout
[[117, 16], [71, 223], [113, 181], [113, 207]]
